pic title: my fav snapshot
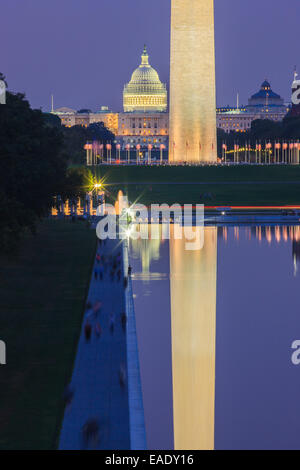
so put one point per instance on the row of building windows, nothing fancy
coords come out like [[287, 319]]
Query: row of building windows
[[144, 101], [145, 132]]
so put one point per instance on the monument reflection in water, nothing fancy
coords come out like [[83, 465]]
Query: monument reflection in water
[[192, 294], [215, 338], [193, 318]]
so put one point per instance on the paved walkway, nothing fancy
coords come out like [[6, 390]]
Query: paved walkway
[[96, 377]]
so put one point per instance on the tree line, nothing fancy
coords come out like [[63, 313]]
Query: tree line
[[35, 157]]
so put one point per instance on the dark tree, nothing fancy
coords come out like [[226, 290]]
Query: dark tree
[[77, 136], [33, 169]]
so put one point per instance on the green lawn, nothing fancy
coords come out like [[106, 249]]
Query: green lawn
[[221, 195], [189, 174], [43, 290], [220, 185]]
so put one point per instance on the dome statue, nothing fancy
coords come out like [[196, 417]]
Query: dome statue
[[145, 92]]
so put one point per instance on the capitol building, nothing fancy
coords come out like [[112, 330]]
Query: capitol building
[[144, 120]]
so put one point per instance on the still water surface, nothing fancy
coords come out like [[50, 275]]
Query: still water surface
[[215, 329]]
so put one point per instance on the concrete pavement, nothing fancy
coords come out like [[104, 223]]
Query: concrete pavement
[[96, 376]]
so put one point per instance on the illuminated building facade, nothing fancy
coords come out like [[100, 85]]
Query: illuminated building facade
[[69, 118], [145, 120], [145, 92], [262, 105], [266, 100], [143, 129], [192, 82]]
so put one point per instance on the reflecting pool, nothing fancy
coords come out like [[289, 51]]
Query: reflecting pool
[[215, 332]]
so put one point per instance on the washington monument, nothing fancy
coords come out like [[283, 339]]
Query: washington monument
[[192, 82]]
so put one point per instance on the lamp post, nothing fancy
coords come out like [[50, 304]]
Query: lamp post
[[138, 148], [88, 147], [118, 147], [269, 149], [284, 151], [108, 153], [162, 147], [128, 152], [149, 153]]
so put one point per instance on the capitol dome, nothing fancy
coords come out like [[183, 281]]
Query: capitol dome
[[145, 92]]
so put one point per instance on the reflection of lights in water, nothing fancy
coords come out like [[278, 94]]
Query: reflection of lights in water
[[148, 250], [295, 265], [236, 233], [269, 235]]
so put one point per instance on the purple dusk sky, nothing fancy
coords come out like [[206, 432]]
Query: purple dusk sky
[[83, 51]]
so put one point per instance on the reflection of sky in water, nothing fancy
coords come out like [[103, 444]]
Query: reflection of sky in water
[[257, 387]]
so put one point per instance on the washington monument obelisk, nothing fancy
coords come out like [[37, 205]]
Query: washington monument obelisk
[[192, 82]]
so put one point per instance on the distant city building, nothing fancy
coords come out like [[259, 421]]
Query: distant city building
[[266, 101], [265, 104], [70, 117], [145, 120], [143, 129]]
